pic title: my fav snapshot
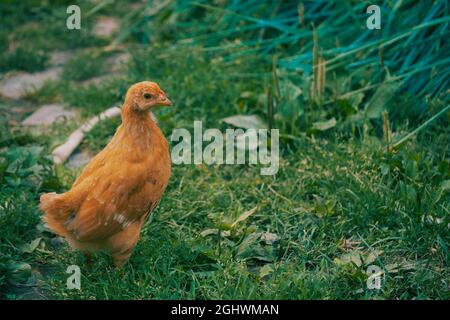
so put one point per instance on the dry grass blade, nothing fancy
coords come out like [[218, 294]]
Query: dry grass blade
[[420, 128]]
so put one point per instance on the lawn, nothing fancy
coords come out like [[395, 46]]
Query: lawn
[[363, 179]]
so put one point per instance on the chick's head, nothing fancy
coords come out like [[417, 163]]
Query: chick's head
[[145, 95]]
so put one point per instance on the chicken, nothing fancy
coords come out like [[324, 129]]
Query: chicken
[[109, 202]]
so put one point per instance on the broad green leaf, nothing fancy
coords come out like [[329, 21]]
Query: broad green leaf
[[19, 272], [381, 98], [289, 89], [289, 108], [356, 99], [445, 185], [384, 169], [255, 247]]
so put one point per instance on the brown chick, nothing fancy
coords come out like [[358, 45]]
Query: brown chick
[[109, 202]]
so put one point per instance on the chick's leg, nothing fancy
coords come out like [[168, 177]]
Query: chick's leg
[[121, 245], [87, 257], [121, 259]]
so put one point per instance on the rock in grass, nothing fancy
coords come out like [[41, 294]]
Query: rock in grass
[[118, 61], [105, 27], [56, 242], [60, 58], [48, 114], [78, 159], [15, 86]]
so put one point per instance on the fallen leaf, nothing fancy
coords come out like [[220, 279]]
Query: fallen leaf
[[208, 232], [349, 258], [265, 271], [30, 247], [371, 256], [269, 238], [324, 125], [244, 216], [349, 244]]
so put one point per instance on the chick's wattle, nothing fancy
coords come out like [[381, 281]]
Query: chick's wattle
[[109, 202]]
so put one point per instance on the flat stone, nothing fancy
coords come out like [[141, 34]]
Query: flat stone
[[48, 114], [78, 159], [117, 61], [137, 5], [16, 85], [96, 80], [105, 27], [56, 242], [19, 112], [60, 58]]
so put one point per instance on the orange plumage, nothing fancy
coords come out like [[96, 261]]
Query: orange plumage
[[109, 202]]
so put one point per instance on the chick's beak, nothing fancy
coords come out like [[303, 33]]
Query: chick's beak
[[164, 101]]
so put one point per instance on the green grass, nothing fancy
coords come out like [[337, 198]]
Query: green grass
[[83, 67], [25, 59], [325, 192], [339, 203]]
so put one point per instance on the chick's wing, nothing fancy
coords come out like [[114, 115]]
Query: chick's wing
[[119, 194]]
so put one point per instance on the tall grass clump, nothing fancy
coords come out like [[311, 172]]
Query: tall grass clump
[[326, 57]]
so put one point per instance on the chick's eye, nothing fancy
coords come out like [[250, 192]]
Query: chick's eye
[[147, 96]]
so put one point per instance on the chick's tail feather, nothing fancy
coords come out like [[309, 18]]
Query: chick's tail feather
[[57, 212]]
